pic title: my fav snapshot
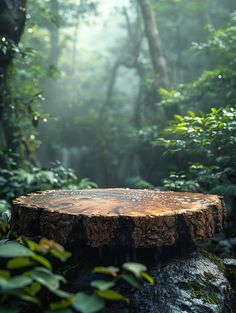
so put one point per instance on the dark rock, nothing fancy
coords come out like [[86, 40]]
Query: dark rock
[[195, 284]]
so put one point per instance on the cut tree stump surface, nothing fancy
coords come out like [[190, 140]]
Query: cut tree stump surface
[[128, 217]]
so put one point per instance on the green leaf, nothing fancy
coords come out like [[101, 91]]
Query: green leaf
[[130, 280], [110, 270], [111, 295], [12, 249], [87, 303], [147, 277], [61, 293], [62, 255], [135, 268], [15, 282], [62, 304], [4, 227], [19, 263], [47, 278], [33, 289], [28, 298], [102, 284], [43, 261], [36, 247], [5, 274]]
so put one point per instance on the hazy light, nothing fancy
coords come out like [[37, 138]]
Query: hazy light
[[32, 137]]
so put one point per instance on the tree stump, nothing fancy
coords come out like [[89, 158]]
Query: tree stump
[[110, 226], [118, 217]]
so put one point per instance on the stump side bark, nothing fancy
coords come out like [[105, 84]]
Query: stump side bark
[[133, 218]]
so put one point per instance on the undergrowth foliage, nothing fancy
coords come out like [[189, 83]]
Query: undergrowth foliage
[[211, 138], [20, 181], [30, 280]]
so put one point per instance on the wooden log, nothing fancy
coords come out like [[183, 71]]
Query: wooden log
[[118, 217]]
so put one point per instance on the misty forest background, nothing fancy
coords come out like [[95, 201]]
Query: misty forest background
[[105, 93], [135, 94]]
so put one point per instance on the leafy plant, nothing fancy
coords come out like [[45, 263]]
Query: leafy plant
[[21, 181], [27, 278], [210, 138]]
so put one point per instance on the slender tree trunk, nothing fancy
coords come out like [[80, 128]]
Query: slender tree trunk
[[12, 22], [137, 117], [154, 43], [101, 118], [54, 36]]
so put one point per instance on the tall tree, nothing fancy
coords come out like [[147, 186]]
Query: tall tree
[[154, 43], [12, 22]]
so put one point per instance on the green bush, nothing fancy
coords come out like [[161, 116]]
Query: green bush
[[21, 181], [209, 142]]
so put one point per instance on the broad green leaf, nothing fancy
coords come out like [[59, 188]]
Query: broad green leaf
[[12, 249], [87, 303], [19, 263], [43, 261], [62, 255], [28, 298], [62, 304], [61, 293], [147, 277], [111, 295], [5, 274], [102, 284], [33, 289], [110, 270], [36, 247], [135, 268], [47, 278], [15, 282], [130, 280]]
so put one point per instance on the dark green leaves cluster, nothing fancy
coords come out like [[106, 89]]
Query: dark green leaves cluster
[[21, 181], [27, 276], [210, 138]]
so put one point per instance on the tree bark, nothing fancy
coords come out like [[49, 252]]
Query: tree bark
[[119, 217], [154, 42], [12, 22]]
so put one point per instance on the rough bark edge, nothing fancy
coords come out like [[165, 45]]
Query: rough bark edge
[[95, 231]]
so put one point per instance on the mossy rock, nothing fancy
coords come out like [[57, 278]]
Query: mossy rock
[[194, 284]]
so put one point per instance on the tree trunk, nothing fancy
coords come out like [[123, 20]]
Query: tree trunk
[[119, 217], [54, 36], [154, 42], [12, 22]]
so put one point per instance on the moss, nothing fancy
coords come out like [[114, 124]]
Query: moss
[[208, 275], [210, 298], [199, 291], [214, 259]]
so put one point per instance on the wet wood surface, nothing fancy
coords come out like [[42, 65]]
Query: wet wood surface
[[118, 217]]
